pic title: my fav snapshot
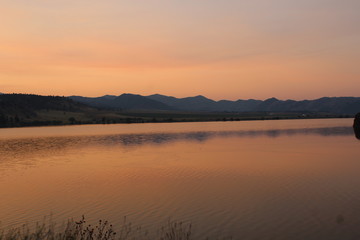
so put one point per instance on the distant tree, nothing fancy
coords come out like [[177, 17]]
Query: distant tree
[[3, 120], [16, 119], [72, 120]]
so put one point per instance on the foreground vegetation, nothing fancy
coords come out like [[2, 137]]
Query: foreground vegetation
[[103, 230]]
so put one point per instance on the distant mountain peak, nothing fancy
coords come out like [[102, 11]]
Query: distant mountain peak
[[109, 96], [158, 95], [200, 97], [273, 99], [129, 94], [343, 105]]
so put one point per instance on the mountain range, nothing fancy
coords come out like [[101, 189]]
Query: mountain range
[[157, 102]]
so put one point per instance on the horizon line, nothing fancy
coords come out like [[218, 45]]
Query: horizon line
[[200, 95]]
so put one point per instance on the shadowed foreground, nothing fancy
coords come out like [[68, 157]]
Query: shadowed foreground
[[103, 230]]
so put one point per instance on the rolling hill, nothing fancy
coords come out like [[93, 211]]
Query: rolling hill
[[123, 102], [33, 110], [157, 102]]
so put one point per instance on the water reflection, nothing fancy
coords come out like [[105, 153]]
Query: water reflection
[[246, 182], [22, 150]]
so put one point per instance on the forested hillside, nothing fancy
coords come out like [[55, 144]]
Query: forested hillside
[[27, 109]]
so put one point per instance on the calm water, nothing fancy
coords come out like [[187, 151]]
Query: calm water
[[285, 179]]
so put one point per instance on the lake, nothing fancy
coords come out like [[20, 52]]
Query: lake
[[283, 179]]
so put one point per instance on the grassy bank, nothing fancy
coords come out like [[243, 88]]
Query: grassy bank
[[103, 230]]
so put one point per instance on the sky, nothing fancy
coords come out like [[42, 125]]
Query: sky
[[222, 49]]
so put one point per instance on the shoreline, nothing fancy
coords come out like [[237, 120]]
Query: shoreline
[[54, 123]]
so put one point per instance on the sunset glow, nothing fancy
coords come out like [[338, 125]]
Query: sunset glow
[[221, 49]]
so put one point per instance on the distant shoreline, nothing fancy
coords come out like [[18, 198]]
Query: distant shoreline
[[170, 120], [25, 110]]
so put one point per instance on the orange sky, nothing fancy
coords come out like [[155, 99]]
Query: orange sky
[[221, 49]]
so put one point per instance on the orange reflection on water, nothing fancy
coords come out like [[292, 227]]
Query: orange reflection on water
[[225, 182]]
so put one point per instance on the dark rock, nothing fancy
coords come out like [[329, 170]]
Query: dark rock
[[357, 120], [357, 126]]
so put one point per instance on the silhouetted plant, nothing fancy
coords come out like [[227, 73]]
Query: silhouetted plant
[[103, 230]]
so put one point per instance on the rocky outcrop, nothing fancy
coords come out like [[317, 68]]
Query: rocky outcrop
[[357, 120], [357, 126]]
